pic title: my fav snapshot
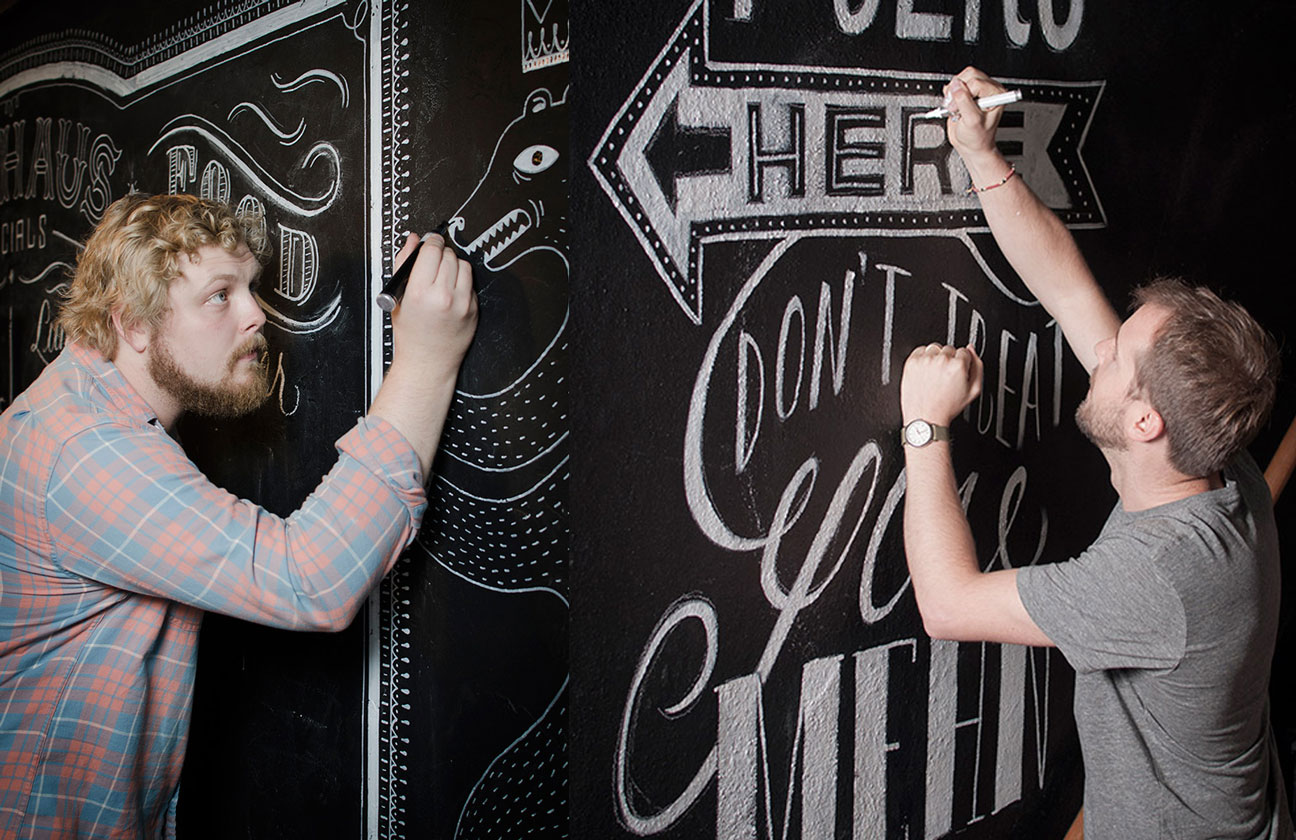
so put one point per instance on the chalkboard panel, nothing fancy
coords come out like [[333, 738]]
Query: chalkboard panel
[[765, 232], [471, 635], [145, 102], [735, 366], [442, 712]]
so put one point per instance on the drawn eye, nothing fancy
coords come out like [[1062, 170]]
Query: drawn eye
[[535, 159]]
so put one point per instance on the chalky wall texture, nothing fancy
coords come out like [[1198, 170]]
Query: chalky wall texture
[[766, 229], [442, 711], [754, 229]]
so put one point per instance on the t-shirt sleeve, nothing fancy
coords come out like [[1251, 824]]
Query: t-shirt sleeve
[[1108, 608]]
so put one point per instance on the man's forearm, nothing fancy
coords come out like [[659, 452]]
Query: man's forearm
[[938, 541], [1045, 255], [417, 402], [957, 600]]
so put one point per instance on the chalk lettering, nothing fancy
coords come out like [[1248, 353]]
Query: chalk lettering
[[298, 264], [182, 167], [925, 151], [50, 337], [104, 155], [251, 206], [921, 26], [874, 674], [70, 169], [742, 759], [855, 144], [42, 160], [802, 594], [789, 157], [869, 611], [1058, 36], [854, 18], [215, 182], [25, 234], [747, 431], [277, 384], [888, 314], [686, 610], [11, 162], [298, 270], [746, 802], [793, 308], [992, 407], [824, 336], [49, 171], [751, 366]]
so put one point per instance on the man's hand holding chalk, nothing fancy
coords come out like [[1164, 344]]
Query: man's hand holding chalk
[[435, 313], [971, 130], [433, 322], [395, 285]]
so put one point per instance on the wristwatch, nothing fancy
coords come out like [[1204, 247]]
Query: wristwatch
[[921, 433]]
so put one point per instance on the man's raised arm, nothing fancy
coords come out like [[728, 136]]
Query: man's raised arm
[[1036, 243], [433, 325]]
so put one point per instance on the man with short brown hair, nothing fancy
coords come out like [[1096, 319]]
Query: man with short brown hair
[[1169, 617], [1212, 372]]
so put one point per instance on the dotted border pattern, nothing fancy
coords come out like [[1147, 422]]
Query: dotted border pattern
[[396, 587]]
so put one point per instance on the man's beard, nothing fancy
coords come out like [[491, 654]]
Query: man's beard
[[223, 400], [1100, 425]]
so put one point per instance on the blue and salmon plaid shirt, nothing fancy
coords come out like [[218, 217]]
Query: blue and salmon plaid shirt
[[112, 544]]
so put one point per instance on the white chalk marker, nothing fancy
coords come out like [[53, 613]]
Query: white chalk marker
[[985, 103]]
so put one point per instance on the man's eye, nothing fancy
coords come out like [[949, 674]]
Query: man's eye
[[535, 159], [219, 297]]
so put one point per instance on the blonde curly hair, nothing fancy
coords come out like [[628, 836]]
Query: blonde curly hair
[[132, 256]]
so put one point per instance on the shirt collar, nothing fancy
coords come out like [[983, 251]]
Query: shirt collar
[[121, 393]]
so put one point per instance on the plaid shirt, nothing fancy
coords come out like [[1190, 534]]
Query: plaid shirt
[[112, 544]]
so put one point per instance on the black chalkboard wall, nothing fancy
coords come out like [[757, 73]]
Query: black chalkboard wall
[[739, 321], [763, 234], [442, 711]]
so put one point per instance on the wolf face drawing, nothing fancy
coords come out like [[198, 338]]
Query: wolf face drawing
[[520, 205], [514, 225]]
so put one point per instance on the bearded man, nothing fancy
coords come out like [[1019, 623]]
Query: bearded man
[[113, 544]]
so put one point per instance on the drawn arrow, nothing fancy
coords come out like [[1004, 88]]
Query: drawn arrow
[[677, 151], [703, 153]]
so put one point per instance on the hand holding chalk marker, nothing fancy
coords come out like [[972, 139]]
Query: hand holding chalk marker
[[395, 287], [985, 103]]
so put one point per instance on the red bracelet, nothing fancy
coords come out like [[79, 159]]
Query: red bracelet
[[1012, 170]]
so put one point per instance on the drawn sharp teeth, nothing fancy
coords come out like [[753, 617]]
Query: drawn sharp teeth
[[516, 219]]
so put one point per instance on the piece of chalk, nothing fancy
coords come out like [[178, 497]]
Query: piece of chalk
[[985, 103]]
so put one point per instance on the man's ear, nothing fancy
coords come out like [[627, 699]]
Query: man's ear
[[1147, 424], [135, 335]]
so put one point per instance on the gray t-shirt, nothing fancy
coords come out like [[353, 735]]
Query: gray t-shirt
[[1169, 620]]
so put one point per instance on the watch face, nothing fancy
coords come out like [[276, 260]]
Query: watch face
[[918, 432]]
